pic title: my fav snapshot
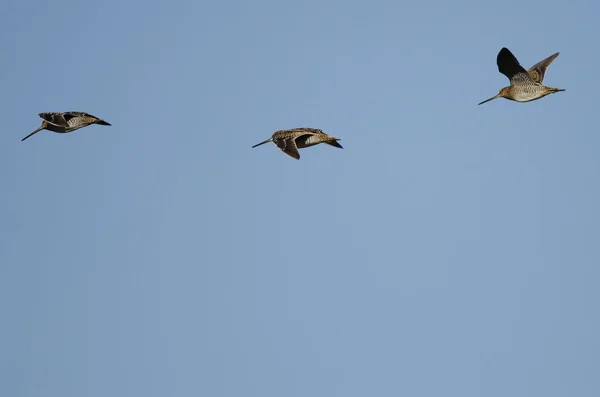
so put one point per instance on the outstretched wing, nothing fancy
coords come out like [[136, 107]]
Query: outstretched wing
[[538, 71], [509, 66]]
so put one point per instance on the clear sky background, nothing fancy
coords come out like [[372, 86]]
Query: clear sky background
[[449, 250]]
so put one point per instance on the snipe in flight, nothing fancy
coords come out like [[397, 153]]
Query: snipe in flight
[[63, 122], [525, 85], [289, 141]]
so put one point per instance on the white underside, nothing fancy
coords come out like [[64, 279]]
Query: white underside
[[529, 94]]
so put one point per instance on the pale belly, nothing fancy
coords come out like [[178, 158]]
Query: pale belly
[[526, 96]]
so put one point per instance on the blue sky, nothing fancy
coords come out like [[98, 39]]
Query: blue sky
[[449, 250]]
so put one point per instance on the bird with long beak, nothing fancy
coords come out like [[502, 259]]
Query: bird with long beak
[[289, 141], [63, 122], [525, 85]]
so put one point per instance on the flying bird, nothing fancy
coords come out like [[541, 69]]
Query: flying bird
[[289, 141], [525, 85], [63, 122]]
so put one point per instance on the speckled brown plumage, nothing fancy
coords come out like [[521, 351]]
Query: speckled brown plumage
[[63, 122], [525, 85], [289, 141]]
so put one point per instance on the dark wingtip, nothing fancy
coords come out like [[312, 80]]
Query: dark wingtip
[[508, 64], [102, 122], [505, 54]]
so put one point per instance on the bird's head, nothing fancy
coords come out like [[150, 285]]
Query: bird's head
[[504, 93]]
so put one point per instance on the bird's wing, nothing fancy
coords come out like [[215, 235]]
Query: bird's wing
[[55, 118], [538, 71], [288, 146], [509, 66]]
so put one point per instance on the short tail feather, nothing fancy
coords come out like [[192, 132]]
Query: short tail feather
[[555, 90], [334, 143]]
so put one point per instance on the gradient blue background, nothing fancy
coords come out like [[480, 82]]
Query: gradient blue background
[[449, 250]]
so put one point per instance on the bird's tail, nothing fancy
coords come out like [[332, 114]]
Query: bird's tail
[[334, 142]]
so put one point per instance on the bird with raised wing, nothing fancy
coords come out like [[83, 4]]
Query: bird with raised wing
[[525, 85]]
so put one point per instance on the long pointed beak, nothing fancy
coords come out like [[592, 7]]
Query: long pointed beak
[[487, 100], [262, 143], [34, 132]]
